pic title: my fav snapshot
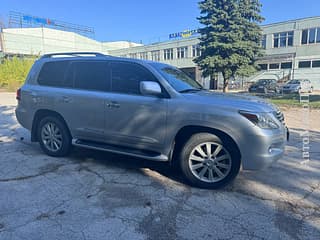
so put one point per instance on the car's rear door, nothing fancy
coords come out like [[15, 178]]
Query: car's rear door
[[82, 105]]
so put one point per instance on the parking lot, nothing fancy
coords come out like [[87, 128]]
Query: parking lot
[[97, 195]]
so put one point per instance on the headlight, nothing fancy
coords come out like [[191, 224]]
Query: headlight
[[262, 120]]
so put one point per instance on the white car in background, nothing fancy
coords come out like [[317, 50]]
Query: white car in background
[[298, 86]]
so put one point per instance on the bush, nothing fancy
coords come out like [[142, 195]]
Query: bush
[[14, 71]]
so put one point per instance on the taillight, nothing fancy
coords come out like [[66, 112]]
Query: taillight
[[18, 94]]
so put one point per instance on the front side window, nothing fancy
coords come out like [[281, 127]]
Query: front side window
[[126, 77], [91, 75], [179, 80], [54, 74]]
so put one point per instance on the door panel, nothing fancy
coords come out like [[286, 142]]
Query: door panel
[[132, 119], [135, 121]]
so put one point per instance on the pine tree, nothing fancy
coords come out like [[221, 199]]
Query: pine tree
[[230, 38]]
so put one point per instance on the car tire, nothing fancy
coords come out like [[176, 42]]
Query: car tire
[[207, 162], [54, 136]]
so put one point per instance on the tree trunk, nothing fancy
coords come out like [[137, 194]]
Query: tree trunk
[[225, 83]]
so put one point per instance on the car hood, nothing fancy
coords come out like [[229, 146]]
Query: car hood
[[230, 100]]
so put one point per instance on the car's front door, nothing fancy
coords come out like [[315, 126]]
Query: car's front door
[[132, 119]]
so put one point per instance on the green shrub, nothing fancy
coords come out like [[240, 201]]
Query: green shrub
[[14, 71]]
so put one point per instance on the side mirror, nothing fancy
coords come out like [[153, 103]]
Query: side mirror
[[150, 88]]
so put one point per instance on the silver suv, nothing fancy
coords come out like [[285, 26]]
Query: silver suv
[[149, 110]]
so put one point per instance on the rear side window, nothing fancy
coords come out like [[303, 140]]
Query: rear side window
[[126, 77], [54, 74], [91, 75]]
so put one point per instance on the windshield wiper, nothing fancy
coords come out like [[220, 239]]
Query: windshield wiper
[[190, 90]]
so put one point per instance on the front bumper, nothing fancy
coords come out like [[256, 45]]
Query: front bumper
[[263, 149]]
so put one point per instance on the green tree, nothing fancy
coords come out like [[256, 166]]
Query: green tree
[[230, 38]]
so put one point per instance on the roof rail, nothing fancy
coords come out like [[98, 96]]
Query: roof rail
[[74, 54]]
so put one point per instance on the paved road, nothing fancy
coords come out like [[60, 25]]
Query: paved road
[[95, 195]]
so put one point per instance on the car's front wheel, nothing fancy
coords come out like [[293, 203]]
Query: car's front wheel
[[207, 162], [54, 137]]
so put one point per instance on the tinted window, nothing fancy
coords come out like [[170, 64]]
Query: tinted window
[[126, 77], [91, 75], [53, 74]]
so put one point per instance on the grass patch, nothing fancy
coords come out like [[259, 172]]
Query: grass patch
[[293, 100], [13, 72]]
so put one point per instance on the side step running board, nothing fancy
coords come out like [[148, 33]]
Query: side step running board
[[124, 151]]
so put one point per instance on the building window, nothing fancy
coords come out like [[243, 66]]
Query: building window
[[304, 39], [155, 55], [264, 41], [304, 64], [144, 55], [316, 64], [196, 50], [168, 54], [132, 55], [310, 36], [283, 39], [182, 52], [286, 65], [273, 66], [263, 66]]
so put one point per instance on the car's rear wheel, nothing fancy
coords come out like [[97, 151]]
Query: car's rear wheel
[[207, 162], [54, 137]]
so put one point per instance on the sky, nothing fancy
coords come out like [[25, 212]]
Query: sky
[[143, 21]]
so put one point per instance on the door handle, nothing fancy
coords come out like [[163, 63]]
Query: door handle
[[113, 104], [66, 99]]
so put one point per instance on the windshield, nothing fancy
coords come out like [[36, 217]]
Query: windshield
[[179, 80], [294, 82]]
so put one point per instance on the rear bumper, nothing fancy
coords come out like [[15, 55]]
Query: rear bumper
[[262, 150], [23, 117]]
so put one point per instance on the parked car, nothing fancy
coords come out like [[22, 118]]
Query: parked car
[[149, 110], [298, 86], [264, 86]]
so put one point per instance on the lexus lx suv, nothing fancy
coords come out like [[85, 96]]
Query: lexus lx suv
[[148, 110]]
